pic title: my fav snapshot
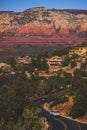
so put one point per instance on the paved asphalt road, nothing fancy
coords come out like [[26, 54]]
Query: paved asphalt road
[[60, 123]]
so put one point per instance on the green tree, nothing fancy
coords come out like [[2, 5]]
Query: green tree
[[66, 61], [73, 64], [75, 56]]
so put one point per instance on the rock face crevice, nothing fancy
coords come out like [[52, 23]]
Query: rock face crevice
[[38, 26]]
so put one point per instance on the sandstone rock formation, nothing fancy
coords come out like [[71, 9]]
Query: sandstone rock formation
[[38, 26]]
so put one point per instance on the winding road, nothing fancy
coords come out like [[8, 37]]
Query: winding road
[[60, 123]]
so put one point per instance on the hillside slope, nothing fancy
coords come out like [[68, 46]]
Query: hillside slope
[[38, 26]]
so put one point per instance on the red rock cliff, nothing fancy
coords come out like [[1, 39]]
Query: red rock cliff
[[39, 26]]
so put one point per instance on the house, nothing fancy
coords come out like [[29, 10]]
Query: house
[[54, 63], [79, 51], [6, 67], [24, 60]]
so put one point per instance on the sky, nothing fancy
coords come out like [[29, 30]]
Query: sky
[[21, 5]]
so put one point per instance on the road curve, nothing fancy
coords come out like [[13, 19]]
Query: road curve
[[60, 123]]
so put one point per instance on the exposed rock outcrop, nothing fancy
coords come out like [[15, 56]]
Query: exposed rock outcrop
[[39, 26]]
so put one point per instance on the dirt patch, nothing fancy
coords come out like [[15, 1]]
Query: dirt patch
[[83, 119], [65, 107]]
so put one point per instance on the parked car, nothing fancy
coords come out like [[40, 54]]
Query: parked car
[[55, 113]]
